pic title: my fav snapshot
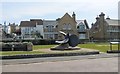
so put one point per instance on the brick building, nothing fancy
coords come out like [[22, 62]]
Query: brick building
[[105, 29]]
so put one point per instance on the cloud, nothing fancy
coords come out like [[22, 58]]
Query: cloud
[[38, 10], [22, 9]]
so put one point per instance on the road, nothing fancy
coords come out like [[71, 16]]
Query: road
[[89, 63], [85, 65], [50, 59]]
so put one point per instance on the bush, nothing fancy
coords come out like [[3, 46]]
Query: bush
[[16, 46], [6, 47]]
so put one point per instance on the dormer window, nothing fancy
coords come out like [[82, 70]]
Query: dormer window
[[81, 27]]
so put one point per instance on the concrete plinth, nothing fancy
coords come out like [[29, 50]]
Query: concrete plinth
[[63, 47]]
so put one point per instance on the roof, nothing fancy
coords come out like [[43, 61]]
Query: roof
[[31, 23], [66, 14], [49, 22], [112, 22], [39, 21], [27, 24], [79, 21], [84, 22]]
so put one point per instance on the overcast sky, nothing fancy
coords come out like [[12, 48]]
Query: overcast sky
[[16, 11]]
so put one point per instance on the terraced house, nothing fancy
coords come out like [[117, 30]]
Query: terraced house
[[105, 29], [49, 29], [32, 28]]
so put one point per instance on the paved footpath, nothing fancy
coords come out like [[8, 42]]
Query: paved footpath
[[89, 63]]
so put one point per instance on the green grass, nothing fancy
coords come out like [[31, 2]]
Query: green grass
[[35, 47], [102, 47]]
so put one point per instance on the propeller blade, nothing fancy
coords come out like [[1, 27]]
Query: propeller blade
[[63, 33], [64, 41]]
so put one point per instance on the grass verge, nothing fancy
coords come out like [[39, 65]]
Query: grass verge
[[102, 47], [7, 53]]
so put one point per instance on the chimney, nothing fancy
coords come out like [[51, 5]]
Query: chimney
[[57, 19], [108, 18], [97, 18], [92, 24], [102, 16], [74, 16]]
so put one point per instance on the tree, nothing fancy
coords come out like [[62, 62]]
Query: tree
[[36, 34]]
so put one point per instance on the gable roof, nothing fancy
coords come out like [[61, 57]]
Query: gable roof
[[79, 21], [112, 22], [66, 14], [27, 24], [84, 22], [49, 22], [39, 21], [31, 23]]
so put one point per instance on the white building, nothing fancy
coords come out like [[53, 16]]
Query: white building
[[32, 28], [5, 28]]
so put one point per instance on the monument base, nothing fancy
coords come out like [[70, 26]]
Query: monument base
[[63, 47]]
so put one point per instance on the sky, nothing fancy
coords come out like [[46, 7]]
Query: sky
[[14, 11]]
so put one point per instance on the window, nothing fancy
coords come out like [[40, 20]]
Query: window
[[69, 26], [81, 27], [112, 29], [81, 36], [49, 36], [66, 26], [56, 36], [50, 28]]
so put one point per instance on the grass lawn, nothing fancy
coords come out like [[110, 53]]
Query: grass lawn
[[35, 47], [102, 47]]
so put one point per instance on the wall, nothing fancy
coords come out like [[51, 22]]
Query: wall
[[39, 28], [66, 19]]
